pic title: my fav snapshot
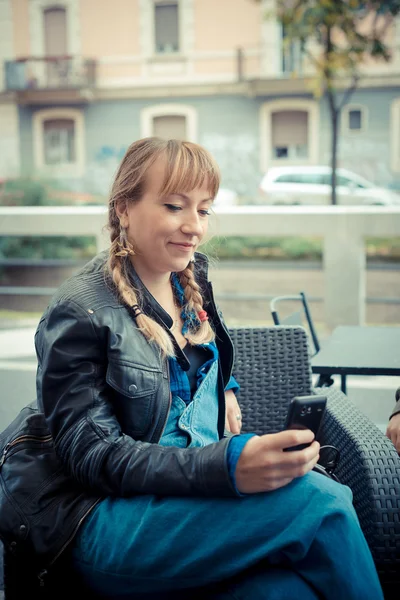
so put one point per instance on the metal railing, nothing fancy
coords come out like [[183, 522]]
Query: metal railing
[[343, 230], [50, 72]]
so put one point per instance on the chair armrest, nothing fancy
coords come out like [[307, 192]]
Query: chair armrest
[[370, 466]]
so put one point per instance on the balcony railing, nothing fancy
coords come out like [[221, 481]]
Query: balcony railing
[[58, 72]]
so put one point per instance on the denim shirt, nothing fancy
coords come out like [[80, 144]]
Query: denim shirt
[[180, 387]]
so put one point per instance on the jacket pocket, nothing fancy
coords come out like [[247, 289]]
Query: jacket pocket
[[133, 391]]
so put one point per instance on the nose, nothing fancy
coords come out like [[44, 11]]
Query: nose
[[192, 224]]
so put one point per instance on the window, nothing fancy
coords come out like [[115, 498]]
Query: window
[[55, 31], [395, 135], [55, 44], [291, 54], [169, 121], [354, 119], [59, 141], [170, 126], [289, 178], [289, 132], [54, 27], [304, 178], [166, 27]]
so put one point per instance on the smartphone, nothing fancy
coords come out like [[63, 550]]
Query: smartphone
[[305, 412]]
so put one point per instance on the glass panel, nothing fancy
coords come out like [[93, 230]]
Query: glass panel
[[310, 178], [290, 134], [166, 27], [341, 180], [170, 127], [354, 119], [59, 141]]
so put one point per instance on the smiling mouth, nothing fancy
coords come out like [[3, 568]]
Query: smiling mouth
[[186, 245], [183, 246]]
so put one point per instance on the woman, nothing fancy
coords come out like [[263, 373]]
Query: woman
[[135, 382]]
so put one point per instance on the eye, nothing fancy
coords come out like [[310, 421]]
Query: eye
[[173, 207], [204, 212]]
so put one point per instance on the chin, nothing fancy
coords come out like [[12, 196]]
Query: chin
[[180, 265]]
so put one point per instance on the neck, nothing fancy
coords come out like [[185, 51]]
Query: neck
[[158, 284]]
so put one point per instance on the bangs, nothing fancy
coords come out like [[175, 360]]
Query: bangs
[[189, 166]]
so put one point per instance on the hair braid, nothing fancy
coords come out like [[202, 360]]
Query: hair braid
[[194, 301], [152, 331]]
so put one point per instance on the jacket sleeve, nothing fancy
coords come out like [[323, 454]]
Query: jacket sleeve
[[72, 394], [396, 409]]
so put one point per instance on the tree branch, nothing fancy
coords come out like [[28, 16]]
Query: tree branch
[[349, 92]]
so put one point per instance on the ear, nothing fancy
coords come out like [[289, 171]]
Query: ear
[[121, 209]]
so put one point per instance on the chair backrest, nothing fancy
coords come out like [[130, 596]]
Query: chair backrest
[[301, 317], [272, 365]]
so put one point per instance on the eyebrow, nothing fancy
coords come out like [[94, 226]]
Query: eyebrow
[[188, 199]]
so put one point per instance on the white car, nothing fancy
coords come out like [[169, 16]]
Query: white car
[[312, 185], [225, 197]]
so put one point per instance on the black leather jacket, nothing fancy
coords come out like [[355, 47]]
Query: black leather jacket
[[104, 395]]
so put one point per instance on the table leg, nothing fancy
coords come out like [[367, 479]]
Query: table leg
[[343, 385]]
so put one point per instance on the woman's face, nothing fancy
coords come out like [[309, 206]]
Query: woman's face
[[165, 231]]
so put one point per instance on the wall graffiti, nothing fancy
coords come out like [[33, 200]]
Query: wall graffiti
[[105, 153], [238, 158]]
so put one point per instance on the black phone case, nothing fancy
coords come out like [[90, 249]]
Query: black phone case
[[305, 412]]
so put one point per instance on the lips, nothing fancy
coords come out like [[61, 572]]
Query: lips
[[182, 245]]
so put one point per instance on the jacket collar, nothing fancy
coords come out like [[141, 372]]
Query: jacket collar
[[146, 300]]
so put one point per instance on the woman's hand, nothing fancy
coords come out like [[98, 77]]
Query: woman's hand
[[232, 423], [393, 431], [264, 466]]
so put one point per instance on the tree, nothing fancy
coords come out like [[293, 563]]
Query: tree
[[348, 33]]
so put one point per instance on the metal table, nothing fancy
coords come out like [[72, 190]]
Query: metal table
[[359, 350]]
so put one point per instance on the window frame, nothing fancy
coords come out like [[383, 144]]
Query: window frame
[[179, 8], [394, 135], [71, 169], [267, 109], [345, 115], [36, 25], [165, 110]]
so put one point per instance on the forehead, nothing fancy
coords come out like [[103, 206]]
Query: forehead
[[160, 181]]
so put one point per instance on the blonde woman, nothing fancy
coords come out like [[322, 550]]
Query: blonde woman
[[135, 382]]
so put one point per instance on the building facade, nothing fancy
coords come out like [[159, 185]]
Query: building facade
[[81, 79]]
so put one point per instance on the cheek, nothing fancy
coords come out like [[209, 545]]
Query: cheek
[[205, 228]]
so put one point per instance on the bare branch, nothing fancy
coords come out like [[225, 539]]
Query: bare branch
[[349, 92]]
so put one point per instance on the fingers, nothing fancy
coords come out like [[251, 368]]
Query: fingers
[[233, 417], [234, 423], [291, 464], [261, 468], [288, 438], [394, 435]]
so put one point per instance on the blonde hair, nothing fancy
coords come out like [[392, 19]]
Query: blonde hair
[[188, 166]]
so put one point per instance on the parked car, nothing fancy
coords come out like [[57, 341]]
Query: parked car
[[312, 185], [225, 197]]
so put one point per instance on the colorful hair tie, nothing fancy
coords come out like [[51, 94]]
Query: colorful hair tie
[[136, 310], [203, 316]]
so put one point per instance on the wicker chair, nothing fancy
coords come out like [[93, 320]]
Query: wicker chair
[[272, 366]]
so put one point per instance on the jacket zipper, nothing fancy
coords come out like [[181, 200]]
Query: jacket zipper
[[44, 572], [20, 440], [224, 327], [158, 437]]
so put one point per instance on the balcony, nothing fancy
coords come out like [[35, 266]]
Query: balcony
[[49, 78]]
